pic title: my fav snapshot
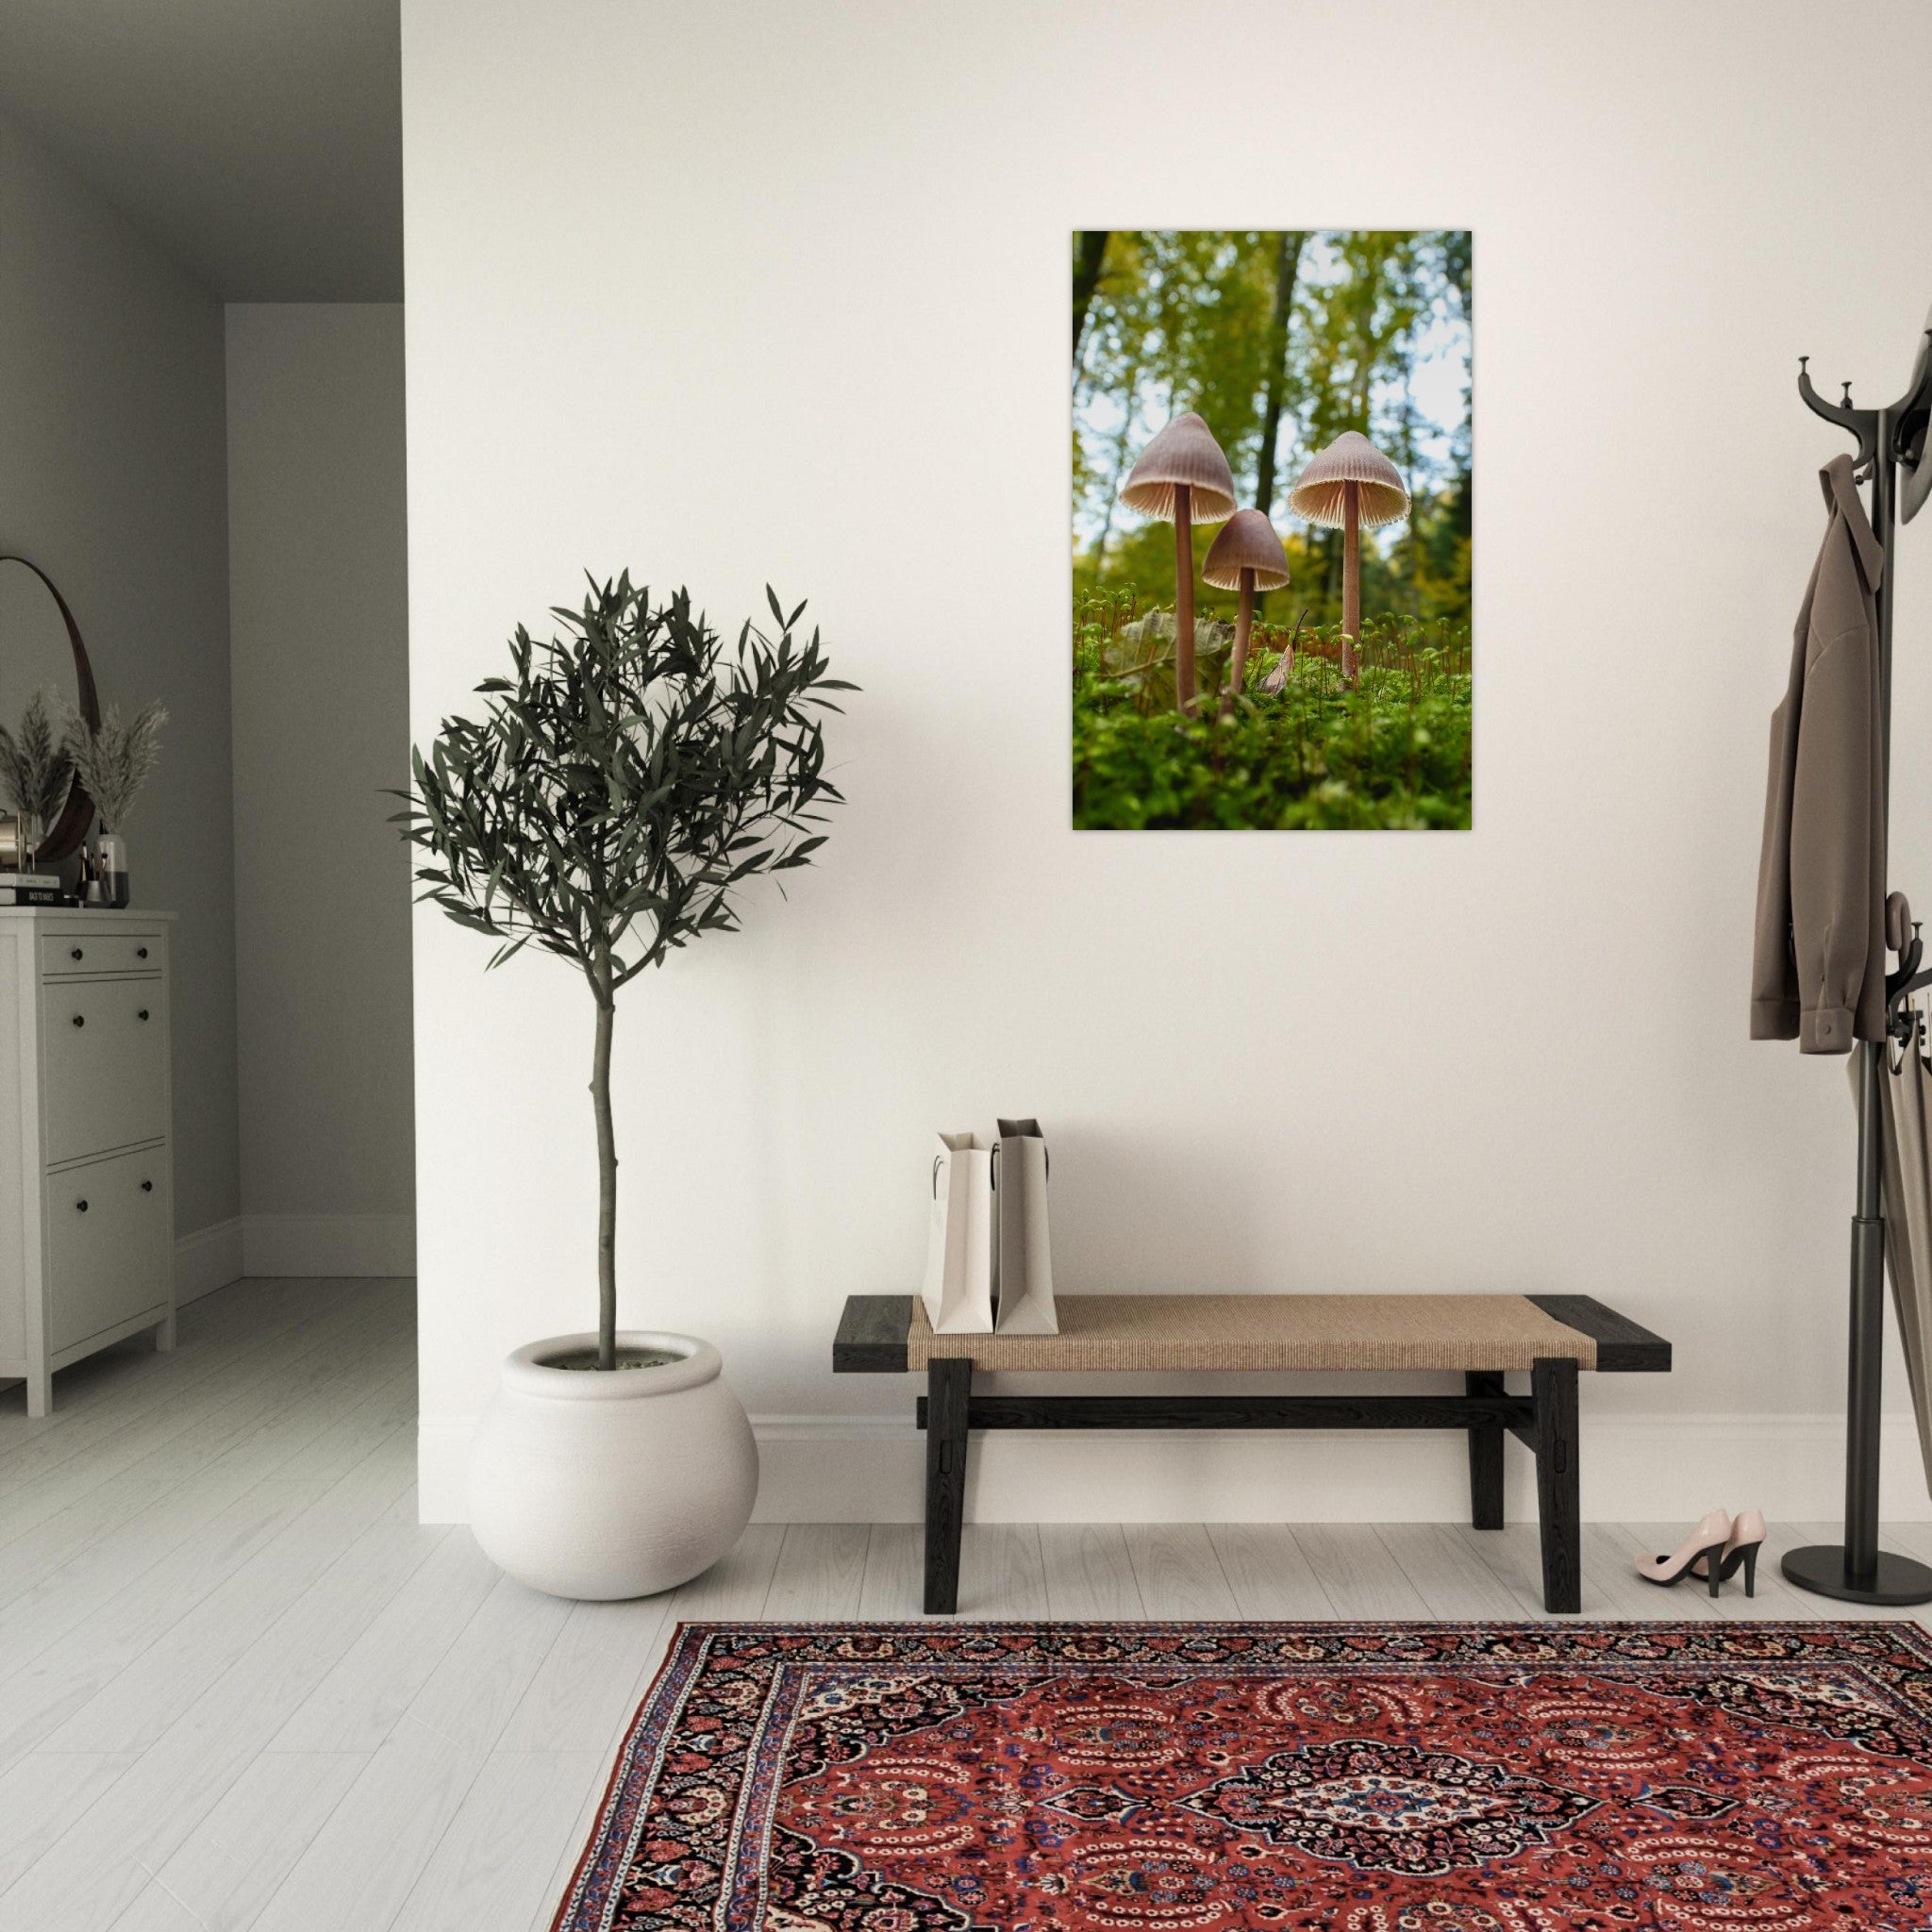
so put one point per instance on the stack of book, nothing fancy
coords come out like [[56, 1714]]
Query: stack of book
[[29, 888]]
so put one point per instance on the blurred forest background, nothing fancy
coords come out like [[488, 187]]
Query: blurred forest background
[[1281, 342]]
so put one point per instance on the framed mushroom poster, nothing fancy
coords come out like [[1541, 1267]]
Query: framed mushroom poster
[[1273, 491]]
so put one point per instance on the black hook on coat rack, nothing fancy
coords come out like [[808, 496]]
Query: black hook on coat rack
[[1862, 424], [1903, 424]]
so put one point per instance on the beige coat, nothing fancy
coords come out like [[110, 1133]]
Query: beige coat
[[1818, 972]]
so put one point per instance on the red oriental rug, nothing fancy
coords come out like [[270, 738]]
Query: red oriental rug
[[1198, 1777]]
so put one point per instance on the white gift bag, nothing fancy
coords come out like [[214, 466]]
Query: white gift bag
[[959, 1237], [1023, 1255]]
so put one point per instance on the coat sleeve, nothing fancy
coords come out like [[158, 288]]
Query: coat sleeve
[[1833, 784], [1773, 965]]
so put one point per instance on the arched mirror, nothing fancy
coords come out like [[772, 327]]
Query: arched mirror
[[41, 650]]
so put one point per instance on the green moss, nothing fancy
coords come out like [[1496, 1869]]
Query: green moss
[[1394, 753]]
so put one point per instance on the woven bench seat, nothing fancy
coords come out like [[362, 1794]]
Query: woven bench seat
[[1271, 1331], [1485, 1338]]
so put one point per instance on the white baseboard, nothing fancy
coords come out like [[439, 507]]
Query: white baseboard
[[1636, 1469], [309, 1244], [208, 1259], [292, 1246]]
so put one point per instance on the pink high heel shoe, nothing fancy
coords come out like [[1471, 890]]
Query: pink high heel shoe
[[1706, 1543], [1741, 1547]]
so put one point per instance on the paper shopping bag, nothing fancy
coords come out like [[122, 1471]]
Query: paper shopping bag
[[1023, 1255], [959, 1237]]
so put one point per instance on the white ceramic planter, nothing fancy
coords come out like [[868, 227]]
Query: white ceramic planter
[[591, 1484]]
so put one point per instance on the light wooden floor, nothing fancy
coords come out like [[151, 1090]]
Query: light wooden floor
[[240, 1687]]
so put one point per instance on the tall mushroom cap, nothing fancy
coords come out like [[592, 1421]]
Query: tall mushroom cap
[[1319, 490], [1246, 541], [1184, 452]]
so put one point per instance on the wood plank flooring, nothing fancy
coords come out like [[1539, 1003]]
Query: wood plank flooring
[[243, 1690]]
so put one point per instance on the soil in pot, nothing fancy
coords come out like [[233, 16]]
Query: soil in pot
[[587, 1358]]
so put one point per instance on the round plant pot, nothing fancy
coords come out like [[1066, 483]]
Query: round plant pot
[[585, 1483]]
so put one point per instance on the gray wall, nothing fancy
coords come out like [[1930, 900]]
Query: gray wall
[[318, 612], [112, 479]]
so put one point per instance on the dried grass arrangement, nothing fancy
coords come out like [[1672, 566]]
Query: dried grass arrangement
[[36, 768], [113, 760]]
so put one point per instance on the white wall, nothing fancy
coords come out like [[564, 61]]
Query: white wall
[[318, 603], [795, 308], [112, 479]]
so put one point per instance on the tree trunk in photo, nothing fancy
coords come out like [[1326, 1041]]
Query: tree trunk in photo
[[1093, 252], [606, 1168], [1122, 443], [1287, 265], [1351, 577], [1183, 599]]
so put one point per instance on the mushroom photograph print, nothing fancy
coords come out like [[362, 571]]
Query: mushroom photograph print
[[1273, 498]]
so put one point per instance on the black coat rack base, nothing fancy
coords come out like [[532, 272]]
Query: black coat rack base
[[1858, 1571], [1825, 1570]]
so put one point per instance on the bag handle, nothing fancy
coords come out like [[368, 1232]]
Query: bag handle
[[1047, 1155]]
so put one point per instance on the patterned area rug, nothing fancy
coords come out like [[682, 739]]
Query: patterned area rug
[[1199, 1777]]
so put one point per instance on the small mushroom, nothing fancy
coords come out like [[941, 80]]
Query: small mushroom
[[1246, 557], [1182, 474], [1351, 483]]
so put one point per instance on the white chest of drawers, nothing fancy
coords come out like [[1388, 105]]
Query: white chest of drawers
[[87, 1196]]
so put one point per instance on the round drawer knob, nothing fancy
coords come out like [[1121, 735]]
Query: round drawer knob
[[75, 953], [147, 1187], [80, 1207], [143, 1014], [141, 952], [80, 1019]]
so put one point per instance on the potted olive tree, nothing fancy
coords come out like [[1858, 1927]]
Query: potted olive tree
[[622, 784]]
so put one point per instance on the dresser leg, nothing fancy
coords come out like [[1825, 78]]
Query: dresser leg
[[165, 1334], [39, 1391]]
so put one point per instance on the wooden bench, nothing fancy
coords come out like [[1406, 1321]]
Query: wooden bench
[[1486, 1337]]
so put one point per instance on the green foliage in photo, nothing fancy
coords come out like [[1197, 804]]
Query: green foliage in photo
[[1392, 754]]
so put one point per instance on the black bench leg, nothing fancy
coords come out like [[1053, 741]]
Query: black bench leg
[[948, 1386], [1486, 1459], [1553, 1387]]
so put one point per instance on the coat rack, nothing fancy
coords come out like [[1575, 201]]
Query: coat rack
[[1856, 1569]]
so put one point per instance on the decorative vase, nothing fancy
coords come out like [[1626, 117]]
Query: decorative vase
[[612, 1483], [110, 868]]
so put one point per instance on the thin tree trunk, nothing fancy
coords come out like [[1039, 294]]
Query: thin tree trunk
[[1121, 446], [1287, 265], [1183, 599], [1093, 252], [607, 1169]]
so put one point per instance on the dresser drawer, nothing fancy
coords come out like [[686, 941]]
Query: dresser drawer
[[105, 1065], [62, 955], [108, 1246]]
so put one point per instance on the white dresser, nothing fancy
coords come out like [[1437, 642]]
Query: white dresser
[[87, 1198]]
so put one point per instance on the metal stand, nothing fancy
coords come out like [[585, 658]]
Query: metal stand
[[1856, 1569]]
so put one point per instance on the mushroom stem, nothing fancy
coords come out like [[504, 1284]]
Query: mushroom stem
[[1184, 598], [1244, 623], [1351, 577]]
